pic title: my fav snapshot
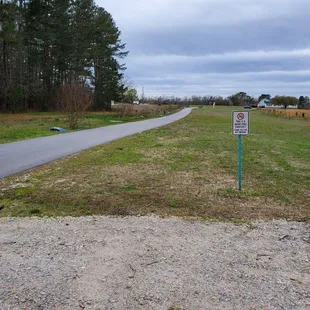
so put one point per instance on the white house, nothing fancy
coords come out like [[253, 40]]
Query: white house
[[264, 103]]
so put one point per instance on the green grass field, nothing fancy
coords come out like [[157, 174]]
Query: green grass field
[[24, 126], [188, 168]]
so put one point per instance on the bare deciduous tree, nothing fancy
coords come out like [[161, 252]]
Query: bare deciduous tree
[[74, 100]]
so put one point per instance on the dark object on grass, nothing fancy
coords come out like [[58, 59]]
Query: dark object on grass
[[58, 129], [247, 107], [1, 207]]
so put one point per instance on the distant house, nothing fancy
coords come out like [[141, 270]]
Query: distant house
[[264, 103]]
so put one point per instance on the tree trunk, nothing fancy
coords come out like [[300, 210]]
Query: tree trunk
[[4, 76]]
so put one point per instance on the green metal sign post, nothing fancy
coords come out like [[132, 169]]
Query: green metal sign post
[[240, 127], [240, 162]]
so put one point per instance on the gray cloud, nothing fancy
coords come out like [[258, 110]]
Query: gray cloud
[[216, 47]]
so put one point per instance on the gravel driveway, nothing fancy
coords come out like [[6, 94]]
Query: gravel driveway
[[152, 263]]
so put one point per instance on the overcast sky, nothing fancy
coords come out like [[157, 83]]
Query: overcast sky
[[215, 47]]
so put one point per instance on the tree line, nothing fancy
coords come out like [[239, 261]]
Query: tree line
[[46, 44], [238, 99], [194, 100]]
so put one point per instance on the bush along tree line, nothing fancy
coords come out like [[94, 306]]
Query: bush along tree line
[[48, 44]]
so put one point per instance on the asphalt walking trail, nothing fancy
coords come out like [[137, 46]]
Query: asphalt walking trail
[[23, 155]]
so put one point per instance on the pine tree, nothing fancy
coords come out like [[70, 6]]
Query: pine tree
[[106, 48], [47, 43]]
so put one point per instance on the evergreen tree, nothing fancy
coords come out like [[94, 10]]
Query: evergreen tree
[[47, 43], [106, 48]]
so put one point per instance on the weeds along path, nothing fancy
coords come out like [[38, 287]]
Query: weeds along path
[[23, 155]]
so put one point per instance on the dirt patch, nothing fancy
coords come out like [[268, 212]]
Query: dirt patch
[[152, 263]]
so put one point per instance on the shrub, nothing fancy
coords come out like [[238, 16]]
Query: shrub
[[74, 100]]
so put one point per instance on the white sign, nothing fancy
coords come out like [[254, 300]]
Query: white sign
[[240, 123]]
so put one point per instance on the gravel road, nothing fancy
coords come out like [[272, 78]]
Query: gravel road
[[153, 263], [19, 156]]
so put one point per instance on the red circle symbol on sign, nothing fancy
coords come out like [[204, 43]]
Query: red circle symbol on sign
[[240, 116]]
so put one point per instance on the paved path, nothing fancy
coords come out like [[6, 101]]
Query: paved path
[[19, 156]]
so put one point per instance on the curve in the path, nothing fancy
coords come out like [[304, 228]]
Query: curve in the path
[[19, 156]]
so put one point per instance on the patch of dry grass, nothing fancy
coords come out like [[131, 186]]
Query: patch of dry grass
[[293, 113], [143, 109]]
